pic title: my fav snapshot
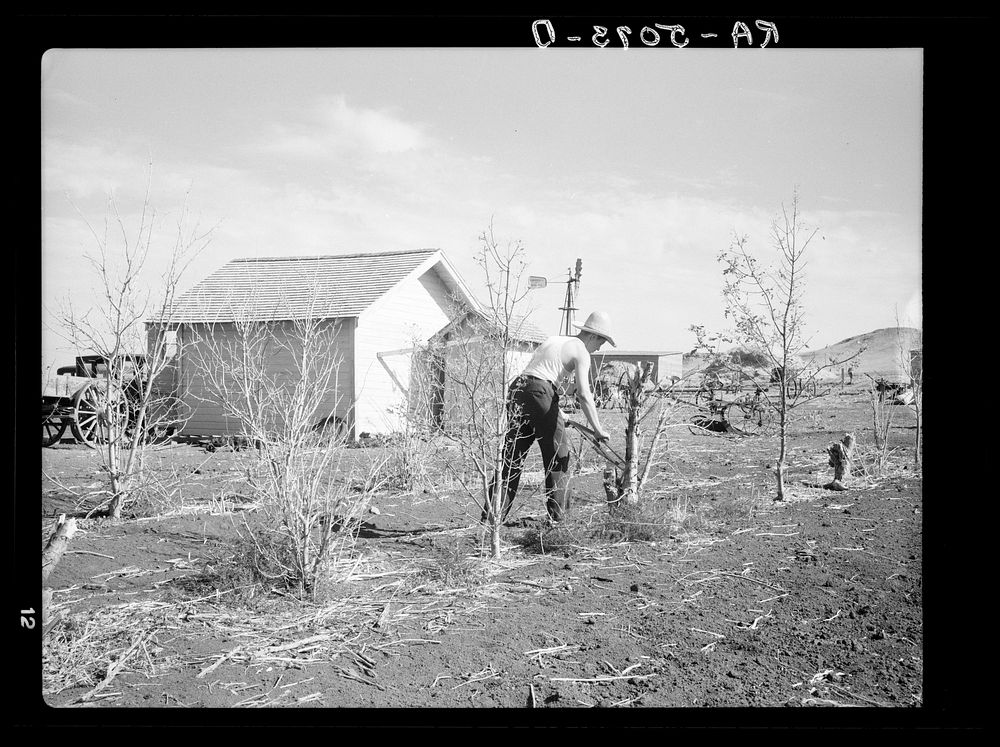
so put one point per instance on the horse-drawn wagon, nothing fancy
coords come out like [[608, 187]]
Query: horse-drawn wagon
[[91, 399]]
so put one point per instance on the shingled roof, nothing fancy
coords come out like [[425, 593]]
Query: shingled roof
[[521, 327], [272, 288], [526, 330]]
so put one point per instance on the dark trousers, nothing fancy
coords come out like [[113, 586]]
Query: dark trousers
[[533, 414]]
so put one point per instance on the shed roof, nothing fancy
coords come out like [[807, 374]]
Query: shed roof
[[521, 327], [526, 330], [271, 288], [615, 353]]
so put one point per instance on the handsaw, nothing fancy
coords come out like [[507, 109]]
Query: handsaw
[[601, 445]]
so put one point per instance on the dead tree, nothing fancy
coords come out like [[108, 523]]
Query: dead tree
[[130, 315], [479, 365], [56, 546], [52, 554], [840, 459], [766, 304]]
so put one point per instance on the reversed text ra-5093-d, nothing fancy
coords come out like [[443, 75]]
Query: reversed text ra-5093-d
[[650, 35]]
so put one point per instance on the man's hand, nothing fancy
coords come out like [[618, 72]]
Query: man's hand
[[602, 435]]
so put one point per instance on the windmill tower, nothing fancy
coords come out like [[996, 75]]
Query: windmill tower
[[569, 304]]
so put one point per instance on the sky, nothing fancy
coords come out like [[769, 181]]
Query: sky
[[642, 163]]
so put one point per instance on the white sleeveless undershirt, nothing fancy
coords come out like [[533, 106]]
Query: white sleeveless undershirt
[[546, 363]]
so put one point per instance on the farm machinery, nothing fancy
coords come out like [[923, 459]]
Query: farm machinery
[[91, 396], [739, 406], [734, 409]]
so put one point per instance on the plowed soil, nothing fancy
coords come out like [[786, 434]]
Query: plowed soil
[[712, 596]]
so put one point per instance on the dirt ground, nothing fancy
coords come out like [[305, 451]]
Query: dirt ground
[[719, 598]]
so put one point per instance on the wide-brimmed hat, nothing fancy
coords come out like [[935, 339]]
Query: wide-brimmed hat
[[599, 323]]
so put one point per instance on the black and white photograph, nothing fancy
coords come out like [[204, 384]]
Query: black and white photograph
[[578, 370]]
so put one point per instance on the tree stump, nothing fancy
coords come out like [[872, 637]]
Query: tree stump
[[840, 460], [56, 546], [54, 549], [616, 488], [610, 486]]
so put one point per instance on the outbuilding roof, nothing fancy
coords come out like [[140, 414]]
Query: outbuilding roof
[[525, 330], [633, 353], [521, 327], [273, 288]]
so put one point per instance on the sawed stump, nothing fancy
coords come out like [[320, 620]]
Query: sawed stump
[[840, 459]]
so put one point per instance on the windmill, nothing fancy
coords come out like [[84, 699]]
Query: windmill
[[568, 308]]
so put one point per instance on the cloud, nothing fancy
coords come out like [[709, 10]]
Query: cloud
[[84, 170], [377, 130], [335, 128]]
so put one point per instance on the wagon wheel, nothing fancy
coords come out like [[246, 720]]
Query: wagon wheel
[[704, 425], [698, 425], [749, 417], [705, 396], [53, 427], [744, 418], [95, 410]]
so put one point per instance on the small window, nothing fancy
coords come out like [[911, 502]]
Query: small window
[[170, 344]]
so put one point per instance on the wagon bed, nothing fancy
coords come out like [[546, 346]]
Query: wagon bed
[[74, 402]]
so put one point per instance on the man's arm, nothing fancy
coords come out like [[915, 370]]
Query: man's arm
[[581, 365]]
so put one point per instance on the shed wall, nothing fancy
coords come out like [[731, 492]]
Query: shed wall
[[208, 415], [409, 314]]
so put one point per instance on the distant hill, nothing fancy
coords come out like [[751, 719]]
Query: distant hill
[[886, 354]]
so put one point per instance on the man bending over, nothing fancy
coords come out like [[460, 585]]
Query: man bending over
[[533, 413]]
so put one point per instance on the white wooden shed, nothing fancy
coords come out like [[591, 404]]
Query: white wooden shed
[[458, 356], [667, 364], [379, 304]]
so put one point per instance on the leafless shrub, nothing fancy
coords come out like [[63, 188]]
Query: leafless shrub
[[132, 404], [767, 307], [474, 363], [872, 460], [277, 385]]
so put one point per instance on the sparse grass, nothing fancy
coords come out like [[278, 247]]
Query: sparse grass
[[654, 520], [231, 578], [740, 507], [871, 462], [650, 520], [684, 515], [408, 459], [636, 523], [560, 539], [450, 565]]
